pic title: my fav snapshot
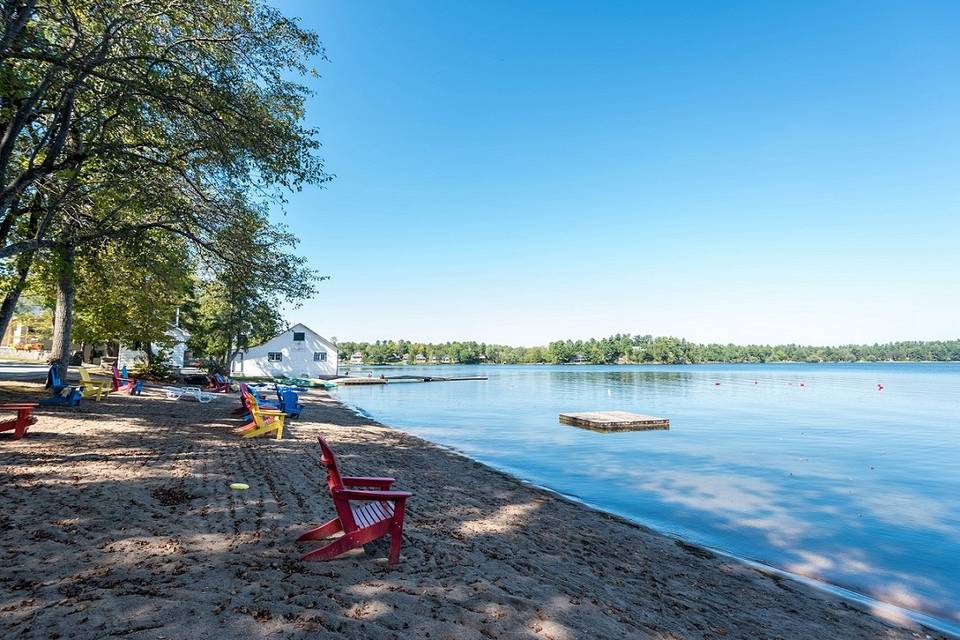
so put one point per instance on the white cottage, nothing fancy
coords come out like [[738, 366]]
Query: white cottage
[[298, 352], [176, 348]]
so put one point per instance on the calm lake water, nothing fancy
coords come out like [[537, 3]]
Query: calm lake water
[[808, 468]]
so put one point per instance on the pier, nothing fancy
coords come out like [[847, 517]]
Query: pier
[[432, 378], [395, 379]]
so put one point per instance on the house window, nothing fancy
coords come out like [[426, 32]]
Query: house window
[[275, 356], [299, 336], [319, 356]]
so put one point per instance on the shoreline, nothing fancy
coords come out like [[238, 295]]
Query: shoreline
[[892, 611], [128, 529]]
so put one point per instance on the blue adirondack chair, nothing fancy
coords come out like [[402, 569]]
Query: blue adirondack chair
[[63, 394], [263, 402], [289, 401]]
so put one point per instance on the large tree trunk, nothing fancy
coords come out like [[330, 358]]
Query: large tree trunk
[[63, 314]]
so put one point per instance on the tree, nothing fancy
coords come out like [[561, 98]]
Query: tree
[[243, 292], [129, 291], [119, 118]]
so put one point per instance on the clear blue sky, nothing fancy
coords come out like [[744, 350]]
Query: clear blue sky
[[519, 172]]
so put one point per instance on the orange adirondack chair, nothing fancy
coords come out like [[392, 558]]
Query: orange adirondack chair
[[379, 512]]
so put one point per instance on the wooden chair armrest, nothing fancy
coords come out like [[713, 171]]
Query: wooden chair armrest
[[354, 494], [366, 481], [269, 412]]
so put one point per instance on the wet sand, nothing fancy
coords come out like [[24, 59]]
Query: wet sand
[[118, 522]]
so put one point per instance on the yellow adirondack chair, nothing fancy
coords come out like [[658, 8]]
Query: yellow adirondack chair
[[263, 421], [89, 387]]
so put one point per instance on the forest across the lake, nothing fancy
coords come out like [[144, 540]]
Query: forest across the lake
[[641, 349]]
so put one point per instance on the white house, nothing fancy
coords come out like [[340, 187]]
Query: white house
[[177, 349], [298, 352]]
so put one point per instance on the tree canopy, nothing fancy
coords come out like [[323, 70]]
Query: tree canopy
[[143, 145]]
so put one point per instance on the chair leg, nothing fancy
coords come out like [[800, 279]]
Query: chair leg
[[396, 532], [323, 531], [337, 547], [268, 426], [259, 431]]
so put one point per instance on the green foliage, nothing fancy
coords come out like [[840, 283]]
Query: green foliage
[[627, 349], [128, 290], [164, 112], [159, 367], [37, 319], [240, 300], [152, 138]]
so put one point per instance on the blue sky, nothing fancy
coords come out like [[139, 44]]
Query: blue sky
[[519, 172]]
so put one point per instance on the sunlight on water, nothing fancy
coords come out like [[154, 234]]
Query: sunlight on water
[[813, 469]]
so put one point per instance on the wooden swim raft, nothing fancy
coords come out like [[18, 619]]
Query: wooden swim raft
[[614, 421]]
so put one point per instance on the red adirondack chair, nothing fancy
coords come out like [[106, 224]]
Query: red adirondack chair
[[131, 385], [363, 515], [244, 408], [220, 384], [24, 418]]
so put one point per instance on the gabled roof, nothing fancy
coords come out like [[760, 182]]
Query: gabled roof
[[298, 327]]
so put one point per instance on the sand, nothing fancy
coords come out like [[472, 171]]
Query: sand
[[118, 523]]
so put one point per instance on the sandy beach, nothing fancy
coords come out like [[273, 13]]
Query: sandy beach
[[118, 522]]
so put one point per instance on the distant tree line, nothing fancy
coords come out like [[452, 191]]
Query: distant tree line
[[631, 349]]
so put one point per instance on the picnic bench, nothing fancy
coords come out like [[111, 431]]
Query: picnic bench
[[24, 418], [366, 507]]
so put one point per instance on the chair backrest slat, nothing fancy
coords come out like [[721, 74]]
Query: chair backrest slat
[[334, 481], [335, 484], [53, 379]]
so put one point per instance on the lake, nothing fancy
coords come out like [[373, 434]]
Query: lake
[[811, 469]]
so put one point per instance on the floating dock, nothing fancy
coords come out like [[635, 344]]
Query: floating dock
[[614, 421]]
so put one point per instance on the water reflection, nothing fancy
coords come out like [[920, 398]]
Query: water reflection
[[808, 468]]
